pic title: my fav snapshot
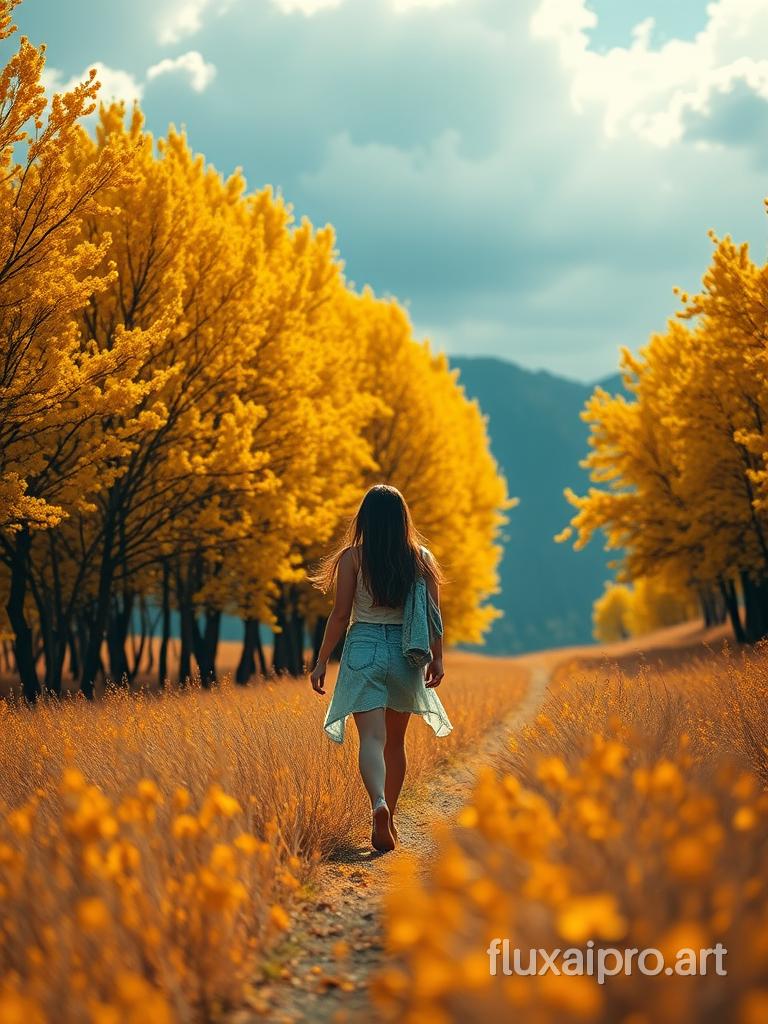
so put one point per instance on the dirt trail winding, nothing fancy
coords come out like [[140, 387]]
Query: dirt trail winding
[[335, 942]]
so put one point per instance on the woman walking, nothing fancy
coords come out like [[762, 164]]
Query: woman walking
[[378, 683]]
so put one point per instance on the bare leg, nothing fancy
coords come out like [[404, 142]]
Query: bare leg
[[394, 759], [372, 729]]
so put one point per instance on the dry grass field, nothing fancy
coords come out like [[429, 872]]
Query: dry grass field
[[632, 812], [151, 846]]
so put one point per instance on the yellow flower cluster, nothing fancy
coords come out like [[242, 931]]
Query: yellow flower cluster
[[624, 816], [119, 924]]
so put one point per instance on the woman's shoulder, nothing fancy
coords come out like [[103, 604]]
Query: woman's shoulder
[[351, 556]]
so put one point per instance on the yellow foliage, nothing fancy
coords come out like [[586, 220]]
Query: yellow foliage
[[197, 399], [650, 603]]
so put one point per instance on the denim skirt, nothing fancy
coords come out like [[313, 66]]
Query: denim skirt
[[374, 673]]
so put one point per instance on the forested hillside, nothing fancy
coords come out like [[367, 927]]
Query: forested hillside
[[538, 439]]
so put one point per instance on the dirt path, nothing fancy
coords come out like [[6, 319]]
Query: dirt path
[[335, 942]]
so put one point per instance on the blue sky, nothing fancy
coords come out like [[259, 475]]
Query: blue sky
[[675, 19], [530, 177]]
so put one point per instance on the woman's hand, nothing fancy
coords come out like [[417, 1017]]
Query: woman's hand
[[434, 673], [317, 676]]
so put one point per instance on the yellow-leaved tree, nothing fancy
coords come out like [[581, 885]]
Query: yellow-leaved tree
[[680, 466], [193, 401], [52, 388]]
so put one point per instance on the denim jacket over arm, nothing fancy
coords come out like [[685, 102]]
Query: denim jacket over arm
[[422, 623]]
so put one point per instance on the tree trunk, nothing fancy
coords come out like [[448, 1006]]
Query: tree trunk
[[731, 601], [261, 657], [288, 654], [206, 645], [98, 624], [150, 631], [186, 615], [721, 609], [137, 649], [74, 658], [55, 649], [117, 634], [713, 607], [22, 643], [55, 621], [162, 659], [44, 620], [246, 668], [756, 607]]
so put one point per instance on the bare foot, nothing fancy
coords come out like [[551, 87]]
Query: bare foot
[[381, 837], [392, 828]]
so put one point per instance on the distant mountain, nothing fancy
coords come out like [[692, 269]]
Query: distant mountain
[[538, 439]]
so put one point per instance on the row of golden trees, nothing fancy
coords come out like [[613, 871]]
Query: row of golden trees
[[649, 603], [192, 401], [681, 466]]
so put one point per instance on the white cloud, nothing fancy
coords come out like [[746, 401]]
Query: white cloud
[[185, 17], [306, 7], [115, 84], [647, 90], [310, 7], [198, 71], [403, 6]]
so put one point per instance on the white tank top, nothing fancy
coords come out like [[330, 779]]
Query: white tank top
[[363, 609]]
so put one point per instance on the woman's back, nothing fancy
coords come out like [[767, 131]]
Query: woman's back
[[363, 608]]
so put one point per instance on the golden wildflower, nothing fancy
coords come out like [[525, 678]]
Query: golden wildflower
[[279, 918], [594, 916], [247, 843], [683, 935], [689, 859], [217, 803], [289, 881], [16, 1008], [468, 817], [104, 1013], [181, 798], [185, 826], [20, 821], [608, 756], [552, 771], [432, 975], [405, 932], [453, 870], [223, 859], [744, 819], [73, 780], [93, 915], [149, 790]]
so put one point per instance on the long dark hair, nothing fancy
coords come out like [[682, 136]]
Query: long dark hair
[[390, 547]]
